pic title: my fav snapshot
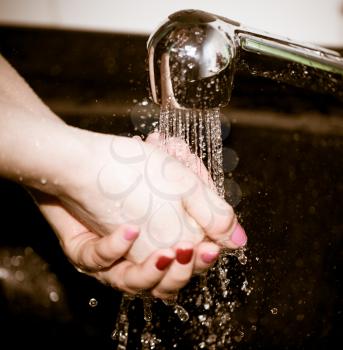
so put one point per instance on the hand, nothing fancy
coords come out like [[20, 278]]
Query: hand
[[122, 180], [163, 272]]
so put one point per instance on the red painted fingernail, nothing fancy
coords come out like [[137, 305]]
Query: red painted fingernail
[[239, 236], [209, 257], [130, 234], [184, 256], [163, 262]]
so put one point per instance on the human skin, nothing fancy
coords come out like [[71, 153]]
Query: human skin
[[109, 198]]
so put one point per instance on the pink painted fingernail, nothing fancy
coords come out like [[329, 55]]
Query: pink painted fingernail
[[209, 257], [130, 234], [239, 236]]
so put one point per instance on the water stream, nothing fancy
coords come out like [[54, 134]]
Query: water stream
[[210, 320]]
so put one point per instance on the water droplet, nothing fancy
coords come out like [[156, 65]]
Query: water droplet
[[230, 159], [300, 317], [206, 306], [93, 302], [43, 181], [211, 338], [54, 297], [274, 310], [233, 192], [147, 309], [17, 260], [4, 274], [181, 312], [19, 276], [114, 335], [238, 337], [240, 255], [202, 318]]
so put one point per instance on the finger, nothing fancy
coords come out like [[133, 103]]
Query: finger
[[153, 139], [235, 239], [191, 231], [132, 277], [206, 254], [179, 272], [87, 250], [215, 216], [198, 168], [211, 212], [94, 252], [178, 148]]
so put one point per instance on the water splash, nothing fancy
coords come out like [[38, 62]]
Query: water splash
[[93, 302], [201, 130], [147, 309], [180, 311], [149, 340], [121, 330], [211, 323]]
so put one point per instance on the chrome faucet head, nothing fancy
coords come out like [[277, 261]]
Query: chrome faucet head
[[193, 56], [191, 61]]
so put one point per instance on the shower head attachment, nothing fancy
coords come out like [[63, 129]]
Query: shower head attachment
[[191, 62], [194, 54]]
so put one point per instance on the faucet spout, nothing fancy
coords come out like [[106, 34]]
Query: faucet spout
[[194, 55]]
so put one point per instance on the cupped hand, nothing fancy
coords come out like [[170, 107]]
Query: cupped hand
[[136, 218], [163, 273], [123, 180]]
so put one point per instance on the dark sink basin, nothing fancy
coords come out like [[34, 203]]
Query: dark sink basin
[[289, 196]]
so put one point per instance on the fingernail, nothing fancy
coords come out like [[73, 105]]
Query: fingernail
[[238, 236], [130, 234], [184, 256], [163, 262], [209, 257]]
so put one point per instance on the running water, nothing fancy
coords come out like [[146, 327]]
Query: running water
[[201, 130], [211, 325]]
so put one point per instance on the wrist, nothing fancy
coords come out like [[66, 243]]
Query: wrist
[[68, 166], [53, 165], [80, 162]]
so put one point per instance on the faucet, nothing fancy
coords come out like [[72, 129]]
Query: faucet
[[194, 55]]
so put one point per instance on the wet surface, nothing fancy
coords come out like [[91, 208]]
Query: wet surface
[[288, 194]]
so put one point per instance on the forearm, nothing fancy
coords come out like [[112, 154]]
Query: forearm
[[36, 147]]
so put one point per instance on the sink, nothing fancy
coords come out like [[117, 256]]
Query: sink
[[288, 192]]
